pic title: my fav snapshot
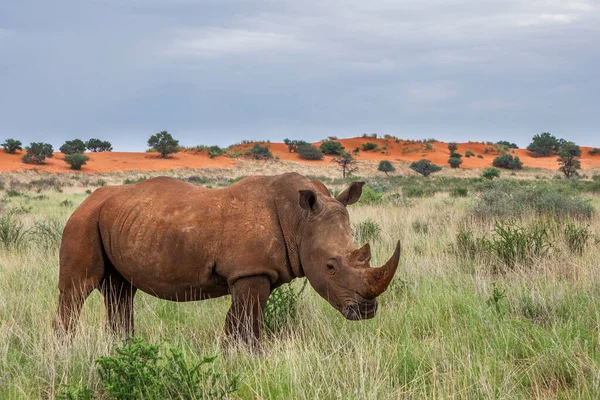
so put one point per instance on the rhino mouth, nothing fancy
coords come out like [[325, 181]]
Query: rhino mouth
[[365, 309]]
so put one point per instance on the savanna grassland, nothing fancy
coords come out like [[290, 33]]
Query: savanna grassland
[[497, 296]]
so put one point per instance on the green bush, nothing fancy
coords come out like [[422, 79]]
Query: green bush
[[215, 151], [37, 152], [452, 146], [97, 145], [507, 144], [370, 196], [479, 156], [418, 191], [568, 159], [594, 151], [259, 152], [369, 146], [459, 191], [164, 143], [77, 160], [74, 146], [490, 173], [294, 144], [544, 145], [577, 237], [386, 167], [469, 153], [11, 146], [503, 198], [455, 162], [507, 161], [332, 148], [1, 185], [420, 226], [425, 167], [281, 311], [138, 370], [309, 152], [13, 233], [366, 231], [515, 245], [48, 233]]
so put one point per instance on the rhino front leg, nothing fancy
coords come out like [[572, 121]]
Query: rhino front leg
[[245, 317]]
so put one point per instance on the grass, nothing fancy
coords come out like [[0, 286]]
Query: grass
[[448, 326]]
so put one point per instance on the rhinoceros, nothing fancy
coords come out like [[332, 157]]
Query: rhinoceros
[[180, 242]]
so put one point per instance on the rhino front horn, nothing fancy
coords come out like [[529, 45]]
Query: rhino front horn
[[378, 279]]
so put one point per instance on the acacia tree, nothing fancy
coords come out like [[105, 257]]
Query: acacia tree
[[386, 166], [452, 146], [568, 158], [347, 163], [164, 143], [75, 146], [37, 153], [97, 145], [425, 167], [12, 145]]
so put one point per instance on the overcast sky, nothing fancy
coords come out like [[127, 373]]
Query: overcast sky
[[218, 72]]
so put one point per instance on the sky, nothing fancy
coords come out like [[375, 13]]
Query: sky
[[223, 71]]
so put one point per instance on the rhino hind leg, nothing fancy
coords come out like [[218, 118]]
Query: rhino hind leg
[[118, 299]]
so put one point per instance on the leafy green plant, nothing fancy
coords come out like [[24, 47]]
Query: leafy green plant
[[97, 145], [455, 162], [595, 151], [386, 167], [164, 143], [544, 145], [577, 237], [37, 152], [129, 181], [13, 233], [332, 148], [259, 152], [138, 370], [507, 161], [48, 233], [309, 152], [66, 203], [420, 226], [496, 298], [281, 311], [369, 146], [459, 191], [11, 146], [469, 153], [568, 159], [370, 196], [425, 167], [75, 146], [515, 245], [77, 160], [490, 173], [366, 231]]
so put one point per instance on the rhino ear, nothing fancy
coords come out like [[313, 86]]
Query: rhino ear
[[352, 194], [309, 200]]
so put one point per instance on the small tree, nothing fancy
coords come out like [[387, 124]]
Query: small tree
[[332, 148], [75, 146], [259, 152], [469, 153], [347, 163], [309, 152], [452, 146], [386, 166], [369, 146], [544, 145], [164, 143], [97, 145], [568, 158], [37, 152], [490, 173], [11, 146], [455, 162], [425, 167], [294, 144], [507, 144], [507, 161], [76, 160]]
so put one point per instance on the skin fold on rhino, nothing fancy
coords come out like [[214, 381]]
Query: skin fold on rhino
[[180, 242]]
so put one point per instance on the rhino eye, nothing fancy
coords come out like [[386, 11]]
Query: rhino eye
[[330, 267]]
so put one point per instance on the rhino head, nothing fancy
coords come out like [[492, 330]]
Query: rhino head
[[335, 267]]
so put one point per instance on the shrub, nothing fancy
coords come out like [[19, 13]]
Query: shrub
[[507, 144], [164, 143], [544, 145], [309, 152], [129, 181], [577, 237], [332, 148], [347, 163], [259, 152], [594, 151], [1, 185], [97, 145], [452, 146], [12, 231], [490, 173], [369, 146], [507, 161], [469, 153], [455, 162], [214, 151], [281, 310], [366, 231], [425, 167], [386, 167], [66, 203], [505, 199], [459, 191], [138, 370], [568, 158], [479, 156], [73, 147], [417, 191], [420, 226], [37, 153], [294, 144], [370, 196], [514, 245], [77, 160], [48, 233], [11, 146]]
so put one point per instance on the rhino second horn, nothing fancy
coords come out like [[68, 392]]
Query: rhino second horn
[[378, 279]]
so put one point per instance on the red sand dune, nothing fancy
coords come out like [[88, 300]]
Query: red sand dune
[[388, 149]]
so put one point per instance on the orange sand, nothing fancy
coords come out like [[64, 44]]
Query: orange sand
[[388, 149]]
